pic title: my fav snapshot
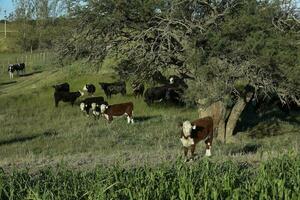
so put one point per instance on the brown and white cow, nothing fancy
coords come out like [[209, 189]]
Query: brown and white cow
[[193, 132], [110, 111]]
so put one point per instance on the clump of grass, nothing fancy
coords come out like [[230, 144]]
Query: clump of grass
[[275, 179]]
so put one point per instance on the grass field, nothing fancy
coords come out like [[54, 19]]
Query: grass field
[[35, 135]]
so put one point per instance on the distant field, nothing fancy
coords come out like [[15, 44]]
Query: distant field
[[35, 135]]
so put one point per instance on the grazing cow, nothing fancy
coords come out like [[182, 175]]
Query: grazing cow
[[138, 89], [89, 88], [63, 87], [193, 132], [86, 104], [16, 67], [155, 94], [109, 111], [165, 93], [66, 97], [113, 88]]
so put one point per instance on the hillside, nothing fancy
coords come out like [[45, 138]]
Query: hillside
[[35, 134]]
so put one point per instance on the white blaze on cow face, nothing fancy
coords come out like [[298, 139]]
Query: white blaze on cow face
[[171, 80], [82, 105], [103, 107], [187, 128], [81, 93], [94, 105], [187, 142], [85, 88]]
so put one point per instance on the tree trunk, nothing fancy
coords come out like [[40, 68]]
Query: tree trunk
[[234, 116], [217, 111], [236, 112]]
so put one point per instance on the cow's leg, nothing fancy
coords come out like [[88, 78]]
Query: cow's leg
[[208, 143], [193, 147], [56, 103]]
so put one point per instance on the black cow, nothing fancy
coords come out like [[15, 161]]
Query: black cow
[[66, 97], [63, 87], [113, 88], [178, 82], [90, 89], [138, 89], [16, 67], [166, 93], [86, 104]]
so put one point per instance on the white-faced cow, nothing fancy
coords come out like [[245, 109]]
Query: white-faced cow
[[110, 111], [113, 88], [66, 97], [193, 132], [19, 67], [86, 104], [89, 88]]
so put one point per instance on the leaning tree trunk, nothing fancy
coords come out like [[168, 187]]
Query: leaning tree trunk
[[236, 112], [234, 116]]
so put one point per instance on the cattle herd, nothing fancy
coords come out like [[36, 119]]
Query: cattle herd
[[170, 91]]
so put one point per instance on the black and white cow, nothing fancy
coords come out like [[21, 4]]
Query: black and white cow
[[89, 88], [63, 87], [19, 67], [178, 82], [66, 97], [86, 104], [113, 88]]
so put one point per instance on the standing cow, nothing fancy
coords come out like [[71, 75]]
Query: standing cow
[[19, 67], [110, 111], [89, 88], [193, 132], [113, 88]]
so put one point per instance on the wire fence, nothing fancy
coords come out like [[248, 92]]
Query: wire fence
[[33, 61]]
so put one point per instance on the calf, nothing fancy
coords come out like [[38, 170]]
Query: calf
[[138, 89], [86, 104], [66, 97], [193, 132], [109, 111], [16, 67], [63, 87], [113, 88], [89, 88]]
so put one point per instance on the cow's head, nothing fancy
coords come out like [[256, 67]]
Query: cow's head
[[103, 107], [81, 93], [187, 128], [85, 88], [83, 106], [171, 80]]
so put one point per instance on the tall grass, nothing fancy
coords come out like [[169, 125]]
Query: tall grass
[[275, 179]]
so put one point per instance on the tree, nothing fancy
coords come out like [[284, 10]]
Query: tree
[[236, 49]]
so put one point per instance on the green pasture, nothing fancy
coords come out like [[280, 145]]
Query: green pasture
[[36, 136]]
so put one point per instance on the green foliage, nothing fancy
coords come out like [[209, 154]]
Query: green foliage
[[275, 179]]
